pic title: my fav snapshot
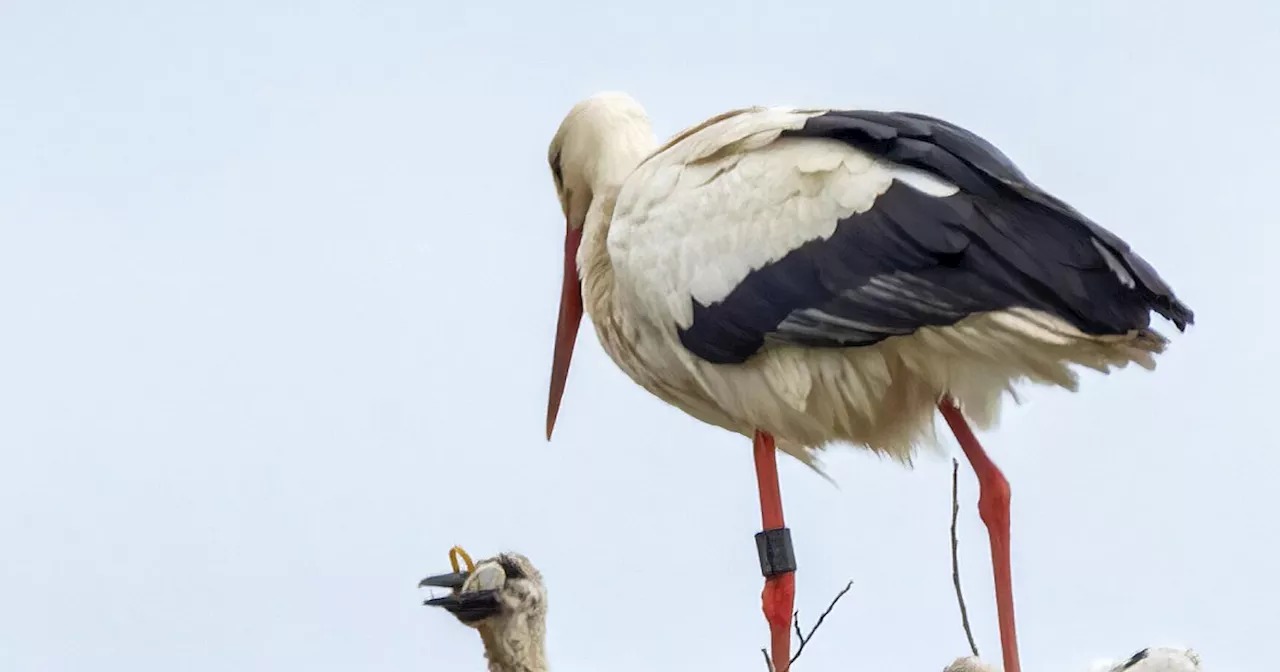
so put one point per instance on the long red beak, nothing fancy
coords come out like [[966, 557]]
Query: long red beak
[[567, 328]]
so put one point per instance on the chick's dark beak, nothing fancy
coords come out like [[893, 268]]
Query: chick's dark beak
[[452, 580], [468, 607]]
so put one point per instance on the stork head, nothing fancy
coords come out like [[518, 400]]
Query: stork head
[[504, 600], [599, 143], [498, 589]]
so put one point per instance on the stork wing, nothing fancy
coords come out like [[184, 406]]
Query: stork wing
[[843, 228]]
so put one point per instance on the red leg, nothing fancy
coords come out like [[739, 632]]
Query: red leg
[[993, 506], [779, 594]]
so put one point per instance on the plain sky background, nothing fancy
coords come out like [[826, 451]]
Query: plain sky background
[[279, 279]]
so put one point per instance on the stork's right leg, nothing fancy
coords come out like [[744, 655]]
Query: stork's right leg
[[993, 506], [777, 559]]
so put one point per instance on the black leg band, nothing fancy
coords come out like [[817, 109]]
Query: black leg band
[[777, 556]]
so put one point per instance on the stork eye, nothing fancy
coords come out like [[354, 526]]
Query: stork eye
[[512, 570], [557, 173]]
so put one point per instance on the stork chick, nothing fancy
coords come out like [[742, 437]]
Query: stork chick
[[504, 600]]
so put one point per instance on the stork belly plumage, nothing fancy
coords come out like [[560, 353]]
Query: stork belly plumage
[[881, 397]]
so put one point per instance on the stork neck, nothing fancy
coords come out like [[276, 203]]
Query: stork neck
[[616, 163], [595, 268], [516, 649]]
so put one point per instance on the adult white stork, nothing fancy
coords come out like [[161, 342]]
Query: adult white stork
[[814, 276]]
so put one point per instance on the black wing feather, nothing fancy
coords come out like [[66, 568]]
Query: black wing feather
[[917, 260]]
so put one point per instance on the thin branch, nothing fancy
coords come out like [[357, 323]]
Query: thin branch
[[768, 663], [955, 555], [805, 639]]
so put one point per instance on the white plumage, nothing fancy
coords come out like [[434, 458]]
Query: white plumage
[[690, 220]]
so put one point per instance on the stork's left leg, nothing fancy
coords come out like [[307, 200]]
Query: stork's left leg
[[777, 560], [993, 506]]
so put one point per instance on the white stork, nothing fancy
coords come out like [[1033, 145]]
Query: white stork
[[503, 598], [814, 276]]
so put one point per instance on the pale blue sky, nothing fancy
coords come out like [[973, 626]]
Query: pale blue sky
[[279, 285]]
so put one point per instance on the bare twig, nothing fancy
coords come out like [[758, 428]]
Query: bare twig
[[768, 663], [805, 639], [955, 555]]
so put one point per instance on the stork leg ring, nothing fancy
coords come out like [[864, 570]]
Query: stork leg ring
[[993, 506], [777, 557]]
